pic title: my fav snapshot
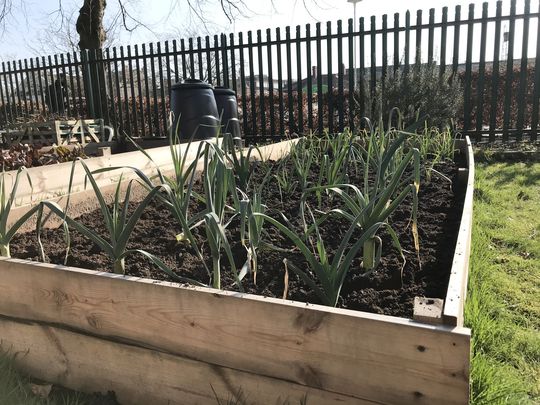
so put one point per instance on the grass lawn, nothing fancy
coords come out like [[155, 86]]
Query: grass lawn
[[503, 303], [14, 389]]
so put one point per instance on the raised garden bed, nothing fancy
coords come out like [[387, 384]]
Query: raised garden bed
[[160, 341], [52, 181]]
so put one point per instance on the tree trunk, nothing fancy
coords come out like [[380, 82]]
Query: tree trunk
[[91, 37], [90, 24]]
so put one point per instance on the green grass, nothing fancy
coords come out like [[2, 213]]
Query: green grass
[[503, 303], [15, 389]]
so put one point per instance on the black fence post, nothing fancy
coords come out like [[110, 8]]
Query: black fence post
[[509, 72], [536, 91], [300, 100], [270, 83], [98, 82], [352, 73], [467, 105], [521, 99], [87, 82], [481, 75], [495, 74], [262, 107], [444, 29]]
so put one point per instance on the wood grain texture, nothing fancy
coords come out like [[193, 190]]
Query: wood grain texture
[[52, 182], [457, 285], [428, 310], [372, 357], [49, 182], [143, 376]]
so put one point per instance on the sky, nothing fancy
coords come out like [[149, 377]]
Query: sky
[[24, 33], [29, 34]]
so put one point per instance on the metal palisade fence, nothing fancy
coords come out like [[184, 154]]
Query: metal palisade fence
[[297, 80]]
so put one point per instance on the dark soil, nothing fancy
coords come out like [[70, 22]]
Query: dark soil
[[381, 292]]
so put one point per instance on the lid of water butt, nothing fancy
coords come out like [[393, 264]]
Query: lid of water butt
[[224, 91], [192, 84]]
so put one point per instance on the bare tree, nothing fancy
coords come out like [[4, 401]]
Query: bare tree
[[92, 29], [90, 21], [6, 8], [60, 35], [90, 24]]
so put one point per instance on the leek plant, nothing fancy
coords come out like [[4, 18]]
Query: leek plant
[[219, 183], [240, 158], [384, 160], [218, 180], [119, 226], [435, 146], [303, 156], [255, 228], [382, 195], [180, 183], [178, 193], [325, 275], [285, 182], [54, 207], [251, 223], [7, 200], [334, 160]]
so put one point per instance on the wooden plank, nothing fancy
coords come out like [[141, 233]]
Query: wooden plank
[[83, 200], [371, 357], [428, 310], [104, 151], [51, 181], [143, 376], [28, 132], [457, 285], [73, 128]]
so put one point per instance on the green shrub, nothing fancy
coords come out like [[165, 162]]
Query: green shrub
[[421, 94]]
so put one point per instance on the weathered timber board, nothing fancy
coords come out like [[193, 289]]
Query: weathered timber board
[[142, 376], [457, 285], [49, 182], [371, 357], [52, 182]]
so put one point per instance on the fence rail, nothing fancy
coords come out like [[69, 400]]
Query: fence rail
[[296, 80]]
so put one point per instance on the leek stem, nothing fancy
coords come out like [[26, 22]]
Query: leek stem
[[4, 250], [217, 273], [369, 254], [119, 266]]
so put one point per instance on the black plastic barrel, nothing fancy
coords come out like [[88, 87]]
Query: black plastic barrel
[[193, 103], [228, 111]]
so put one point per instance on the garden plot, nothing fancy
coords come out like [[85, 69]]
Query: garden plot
[[272, 228]]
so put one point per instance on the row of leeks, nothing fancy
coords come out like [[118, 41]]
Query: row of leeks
[[390, 168], [384, 160]]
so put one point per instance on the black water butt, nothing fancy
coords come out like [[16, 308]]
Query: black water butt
[[193, 103], [227, 107]]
